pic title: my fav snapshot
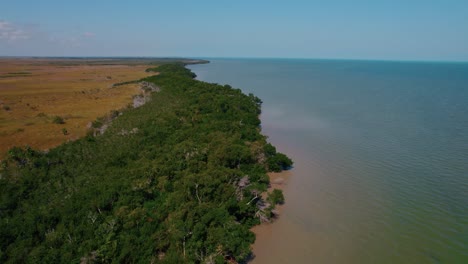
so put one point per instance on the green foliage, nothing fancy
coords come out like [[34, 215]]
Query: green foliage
[[161, 185], [276, 161], [113, 114], [276, 197], [97, 123], [58, 120]]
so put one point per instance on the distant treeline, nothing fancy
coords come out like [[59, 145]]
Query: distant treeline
[[102, 61], [177, 180]]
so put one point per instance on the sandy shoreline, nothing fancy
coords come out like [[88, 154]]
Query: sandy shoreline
[[263, 232]]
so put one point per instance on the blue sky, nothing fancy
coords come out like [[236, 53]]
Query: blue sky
[[359, 29]]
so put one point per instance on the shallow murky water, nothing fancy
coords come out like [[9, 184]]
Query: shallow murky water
[[381, 158]]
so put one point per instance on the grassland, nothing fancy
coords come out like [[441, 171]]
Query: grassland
[[35, 91]]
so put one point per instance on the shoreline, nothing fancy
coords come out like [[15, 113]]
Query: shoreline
[[158, 195], [278, 180], [263, 231]]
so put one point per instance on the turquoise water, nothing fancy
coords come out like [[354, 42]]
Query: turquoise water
[[381, 157]]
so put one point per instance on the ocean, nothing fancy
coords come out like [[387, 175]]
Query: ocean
[[381, 157]]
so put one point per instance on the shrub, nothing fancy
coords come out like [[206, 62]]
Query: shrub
[[113, 114], [97, 123], [279, 162], [276, 197], [58, 120]]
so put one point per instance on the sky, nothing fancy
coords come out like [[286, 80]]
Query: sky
[[429, 30]]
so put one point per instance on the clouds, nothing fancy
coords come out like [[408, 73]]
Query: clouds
[[89, 35], [12, 32], [32, 39]]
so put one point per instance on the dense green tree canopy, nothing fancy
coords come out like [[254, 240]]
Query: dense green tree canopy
[[177, 180]]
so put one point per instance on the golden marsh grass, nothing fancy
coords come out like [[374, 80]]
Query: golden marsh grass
[[34, 91]]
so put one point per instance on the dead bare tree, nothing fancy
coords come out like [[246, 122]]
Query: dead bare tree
[[196, 193], [256, 196]]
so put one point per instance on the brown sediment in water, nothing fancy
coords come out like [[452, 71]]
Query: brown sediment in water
[[285, 234], [278, 180], [308, 227]]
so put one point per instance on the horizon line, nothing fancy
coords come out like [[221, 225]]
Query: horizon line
[[234, 57]]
